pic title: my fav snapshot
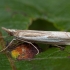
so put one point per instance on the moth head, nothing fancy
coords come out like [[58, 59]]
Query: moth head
[[9, 31]]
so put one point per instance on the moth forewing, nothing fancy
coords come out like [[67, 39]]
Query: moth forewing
[[29, 36], [49, 37]]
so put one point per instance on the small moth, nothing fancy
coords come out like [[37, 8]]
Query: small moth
[[48, 37]]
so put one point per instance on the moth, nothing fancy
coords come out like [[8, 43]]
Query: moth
[[47, 37]]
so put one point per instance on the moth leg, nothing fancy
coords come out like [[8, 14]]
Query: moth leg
[[8, 45], [61, 47], [31, 44]]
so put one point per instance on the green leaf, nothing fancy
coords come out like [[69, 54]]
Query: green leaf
[[4, 63], [55, 11], [24, 11], [12, 16], [41, 24], [41, 15]]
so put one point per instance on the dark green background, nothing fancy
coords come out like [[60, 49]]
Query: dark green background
[[49, 15]]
